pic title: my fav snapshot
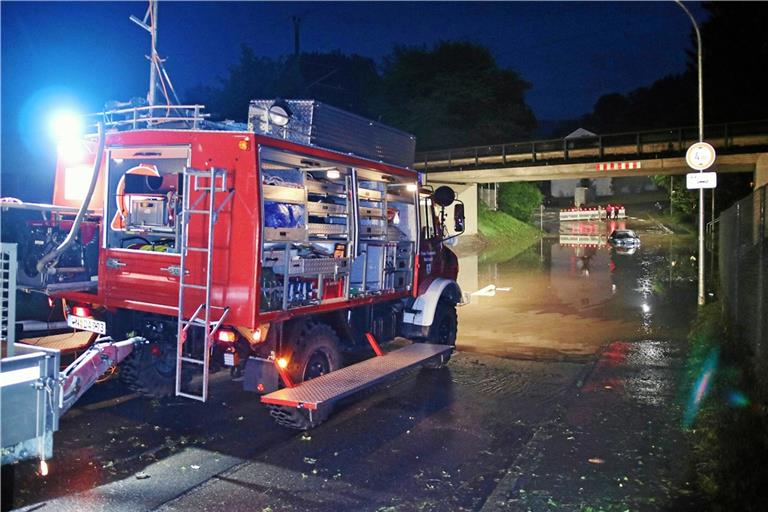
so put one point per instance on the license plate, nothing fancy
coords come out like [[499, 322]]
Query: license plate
[[87, 324]]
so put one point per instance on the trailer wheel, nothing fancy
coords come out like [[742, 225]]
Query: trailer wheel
[[151, 370], [316, 353], [442, 332]]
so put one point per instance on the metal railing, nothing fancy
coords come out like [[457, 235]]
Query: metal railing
[[651, 143], [149, 116]]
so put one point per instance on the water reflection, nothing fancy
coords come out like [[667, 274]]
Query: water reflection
[[570, 295]]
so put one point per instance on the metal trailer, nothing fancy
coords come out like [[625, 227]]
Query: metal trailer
[[26, 376], [34, 392]]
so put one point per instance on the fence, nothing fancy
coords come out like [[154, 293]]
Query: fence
[[743, 257]]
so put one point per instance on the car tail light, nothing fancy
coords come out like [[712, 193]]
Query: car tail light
[[81, 311], [227, 336]]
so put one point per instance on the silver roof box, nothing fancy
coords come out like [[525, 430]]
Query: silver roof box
[[317, 124]]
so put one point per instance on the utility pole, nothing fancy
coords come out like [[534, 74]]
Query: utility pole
[[701, 139]]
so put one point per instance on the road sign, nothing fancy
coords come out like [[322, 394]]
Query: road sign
[[695, 180], [700, 156]]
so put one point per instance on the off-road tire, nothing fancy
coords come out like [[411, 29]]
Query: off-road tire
[[147, 374], [316, 353], [442, 332]]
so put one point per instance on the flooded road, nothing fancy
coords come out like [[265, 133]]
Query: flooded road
[[567, 296], [578, 412]]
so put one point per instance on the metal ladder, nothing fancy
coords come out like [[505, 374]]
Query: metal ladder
[[203, 317]]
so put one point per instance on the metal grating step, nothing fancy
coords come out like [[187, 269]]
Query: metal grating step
[[339, 384]]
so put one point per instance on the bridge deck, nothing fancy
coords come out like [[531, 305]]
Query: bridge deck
[[731, 138]]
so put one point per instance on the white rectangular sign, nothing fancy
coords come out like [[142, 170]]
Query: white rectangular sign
[[701, 180]]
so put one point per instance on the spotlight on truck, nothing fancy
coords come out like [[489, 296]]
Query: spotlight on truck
[[66, 127]]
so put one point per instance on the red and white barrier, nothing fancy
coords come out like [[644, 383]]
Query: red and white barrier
[[617, 166]]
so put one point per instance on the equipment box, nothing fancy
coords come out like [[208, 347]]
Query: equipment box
[[318, 124]]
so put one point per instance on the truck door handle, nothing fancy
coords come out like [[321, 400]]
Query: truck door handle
[[174, 270], [115, 263]]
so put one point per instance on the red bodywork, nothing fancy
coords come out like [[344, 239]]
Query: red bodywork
[[143, 284]]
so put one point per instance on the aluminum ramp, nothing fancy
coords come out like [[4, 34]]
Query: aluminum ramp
[[323, 391]]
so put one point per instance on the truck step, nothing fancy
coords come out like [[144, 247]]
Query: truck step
[[327, 389]]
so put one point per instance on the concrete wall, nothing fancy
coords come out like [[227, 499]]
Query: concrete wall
[[468, 195], [761, 171], [489, 195], [605, 186]]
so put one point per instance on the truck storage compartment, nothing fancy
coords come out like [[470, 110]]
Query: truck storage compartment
[[143, 201], [306, 231]]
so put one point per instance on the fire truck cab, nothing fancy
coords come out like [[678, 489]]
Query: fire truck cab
[[251, 249]]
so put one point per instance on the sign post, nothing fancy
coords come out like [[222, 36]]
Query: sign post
[[699, 157]]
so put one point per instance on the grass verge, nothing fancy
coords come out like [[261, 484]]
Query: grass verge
[[728, 427], [504, 236], [674, 222]]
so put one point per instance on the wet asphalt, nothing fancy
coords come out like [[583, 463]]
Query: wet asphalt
[[530, 425], [435, 439]]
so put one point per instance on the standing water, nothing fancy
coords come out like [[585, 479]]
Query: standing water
[[568, 296]]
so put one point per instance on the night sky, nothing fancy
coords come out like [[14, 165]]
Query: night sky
[[83, 54]]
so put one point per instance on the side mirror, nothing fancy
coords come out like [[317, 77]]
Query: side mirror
[[444, 196], [458, 217]]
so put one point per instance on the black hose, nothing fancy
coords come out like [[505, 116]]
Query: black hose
[[51, 256]]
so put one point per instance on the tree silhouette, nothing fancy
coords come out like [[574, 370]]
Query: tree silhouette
[[454, 95], [345, 81]]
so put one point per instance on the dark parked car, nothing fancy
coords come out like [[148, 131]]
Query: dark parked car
[[624, 238]]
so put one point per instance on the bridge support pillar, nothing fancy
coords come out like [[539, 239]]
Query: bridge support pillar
[[761, 171]]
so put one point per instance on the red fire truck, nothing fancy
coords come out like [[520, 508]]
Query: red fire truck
[[277, 251]]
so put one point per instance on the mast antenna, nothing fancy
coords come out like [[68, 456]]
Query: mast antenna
[[157, 73]]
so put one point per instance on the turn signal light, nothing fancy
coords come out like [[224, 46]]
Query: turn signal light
[[244, 144], [282, 363], [81, 311], [227, 336]]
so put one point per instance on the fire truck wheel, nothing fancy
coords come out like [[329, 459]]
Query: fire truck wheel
[[442, 332], [150, 370], [316, 353]]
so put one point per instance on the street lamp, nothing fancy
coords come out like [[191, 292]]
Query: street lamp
[[701, 139]]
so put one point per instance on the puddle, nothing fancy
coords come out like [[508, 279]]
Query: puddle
[[566, 297]]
